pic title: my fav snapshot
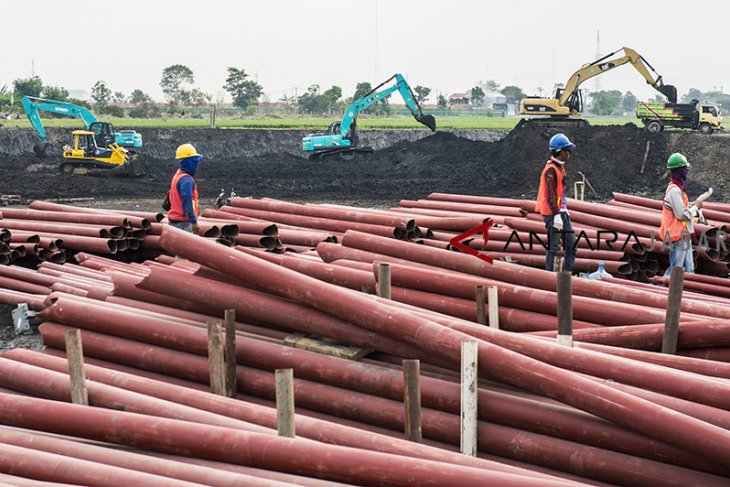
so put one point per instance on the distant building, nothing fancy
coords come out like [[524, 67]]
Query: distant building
[[460, 99]]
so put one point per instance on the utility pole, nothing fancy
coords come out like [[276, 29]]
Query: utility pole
[[597, 80]]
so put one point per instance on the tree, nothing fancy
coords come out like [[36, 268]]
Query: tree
[[692, 94], [514, 94], [174, 81], [606, 102], [628, 103], [422, 93], [118, 97], [144, 106], [197, 98], [101, 94], [55, 93], [245, 92], [312, 101], [477, 95], [361, 89], [442, 102], [32, 86], [489, 85]]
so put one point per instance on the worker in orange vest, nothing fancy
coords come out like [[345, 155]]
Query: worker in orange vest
[[552, 203], [183, 195], [676, 229]]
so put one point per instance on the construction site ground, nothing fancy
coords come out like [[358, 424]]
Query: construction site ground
[[407, 165]]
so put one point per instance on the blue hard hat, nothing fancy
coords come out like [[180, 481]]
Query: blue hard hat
[[560, 142]]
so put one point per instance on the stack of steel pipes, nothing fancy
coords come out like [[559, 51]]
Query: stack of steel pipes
[[593, 414]]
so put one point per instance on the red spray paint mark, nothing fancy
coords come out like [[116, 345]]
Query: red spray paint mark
[[484, 230]]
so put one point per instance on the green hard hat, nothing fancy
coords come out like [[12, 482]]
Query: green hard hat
[[677, 160]]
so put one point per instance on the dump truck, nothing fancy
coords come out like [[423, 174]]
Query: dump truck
[[655, 116]]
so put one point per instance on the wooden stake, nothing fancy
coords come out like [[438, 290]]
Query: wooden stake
[[565, 309], [75, 357], [384, 280], [481, 305], [412, 399], [285, 402], [216, 358], [493, 296], [469, 389], [230, 352], [674, 303]]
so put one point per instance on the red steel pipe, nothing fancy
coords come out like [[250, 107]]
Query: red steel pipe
[[495, 440], [133, 461], [135, 221], [318, 223], [240, 447], [487, 210], [520, 275], [351, 215], [324, 431], [497, 362], [480, 200]]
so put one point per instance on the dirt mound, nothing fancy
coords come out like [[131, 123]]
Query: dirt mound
[[610, 157]]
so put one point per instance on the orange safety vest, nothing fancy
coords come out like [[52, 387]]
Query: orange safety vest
[[542, 205], [670, 224], [176, 212]]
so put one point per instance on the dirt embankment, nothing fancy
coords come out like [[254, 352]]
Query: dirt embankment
[[611, 157]]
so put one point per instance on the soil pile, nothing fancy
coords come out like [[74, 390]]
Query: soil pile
[[611, 158]]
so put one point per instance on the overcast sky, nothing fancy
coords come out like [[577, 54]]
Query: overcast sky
[[448, 46]]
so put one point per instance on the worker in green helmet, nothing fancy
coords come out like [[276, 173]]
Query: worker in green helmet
[[676, 229]]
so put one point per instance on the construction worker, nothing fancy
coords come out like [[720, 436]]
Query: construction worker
[[552, 203], [676, 229], [183, 195]]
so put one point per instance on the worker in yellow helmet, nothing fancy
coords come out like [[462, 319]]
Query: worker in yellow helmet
[[184, 210]]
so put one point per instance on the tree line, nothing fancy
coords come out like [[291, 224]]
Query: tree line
[[178, 86]]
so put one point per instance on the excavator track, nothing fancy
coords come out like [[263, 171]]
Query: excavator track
[[553, 122], [343, 153]]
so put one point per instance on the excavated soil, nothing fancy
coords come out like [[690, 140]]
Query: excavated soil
[[610, 157]]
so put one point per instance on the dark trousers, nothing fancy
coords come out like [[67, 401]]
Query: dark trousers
[[555, 237]]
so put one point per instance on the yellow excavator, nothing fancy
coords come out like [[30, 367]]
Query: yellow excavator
[[568, 99], [85, 156]]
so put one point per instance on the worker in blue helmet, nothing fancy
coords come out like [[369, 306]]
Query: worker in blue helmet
[[552, 202]]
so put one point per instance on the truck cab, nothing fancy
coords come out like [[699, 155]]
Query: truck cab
[[709, 118]]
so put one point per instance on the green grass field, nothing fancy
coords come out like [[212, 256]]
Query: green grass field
[[307, 123]]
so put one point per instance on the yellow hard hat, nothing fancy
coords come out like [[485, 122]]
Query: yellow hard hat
[[185, 150]]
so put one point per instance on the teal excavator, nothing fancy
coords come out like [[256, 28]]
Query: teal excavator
[[341, 138], [104, 133]]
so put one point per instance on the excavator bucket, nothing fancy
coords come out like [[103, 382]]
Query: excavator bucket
[[40, 149], [670, 91], [428, 120]]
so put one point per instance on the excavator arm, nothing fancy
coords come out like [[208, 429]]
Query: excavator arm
[[604, 64], [32, 105], [374, 96]]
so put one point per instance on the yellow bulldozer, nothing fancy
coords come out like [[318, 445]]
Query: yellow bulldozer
[[85, 156]]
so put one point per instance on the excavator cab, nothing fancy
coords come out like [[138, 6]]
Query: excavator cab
[[103, 133]]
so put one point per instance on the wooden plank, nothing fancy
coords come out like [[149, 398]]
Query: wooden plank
[[481, 305], [325, 346], [412, 399], [285, 402], [216, 358], [75, 357], [493, 298], [383, 286], [469, 390], [565, 309], [230, 352], [674, 303]]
